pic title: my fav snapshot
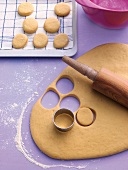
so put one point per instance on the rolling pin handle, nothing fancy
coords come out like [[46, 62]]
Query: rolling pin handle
[[81, 68]]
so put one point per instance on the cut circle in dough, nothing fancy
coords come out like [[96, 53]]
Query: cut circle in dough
[[85, 117], [61, 40], [62, 9], [51, 25], [25, 9], [30, 25], [19, 41], [40, 40], [108, 134]]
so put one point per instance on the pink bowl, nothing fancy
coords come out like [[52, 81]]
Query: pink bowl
[[108, 13]]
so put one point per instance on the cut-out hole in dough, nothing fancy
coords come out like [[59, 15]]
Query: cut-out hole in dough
[[85, 116], [71, 103], [64, 85], [50, 99]]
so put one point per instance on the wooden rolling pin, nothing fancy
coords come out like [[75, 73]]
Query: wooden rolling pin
[[104, 81]]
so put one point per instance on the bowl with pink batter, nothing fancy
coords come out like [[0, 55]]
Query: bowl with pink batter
[[108, 13]]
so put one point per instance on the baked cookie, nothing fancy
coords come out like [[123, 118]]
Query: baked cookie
[[30, 25], [52, 25], [25, 9], [40, 40], [62, 9], [19, 41], [61, 40]]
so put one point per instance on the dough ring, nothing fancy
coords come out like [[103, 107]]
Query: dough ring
[[108, 134]]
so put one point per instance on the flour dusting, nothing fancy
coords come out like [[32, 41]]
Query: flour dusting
[[21, 147]]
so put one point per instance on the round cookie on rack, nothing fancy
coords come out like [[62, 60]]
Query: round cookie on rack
[[30, 25], [62, 9], [40, 40], [61, 40], [19, 41], [25, 9], [52, 25]]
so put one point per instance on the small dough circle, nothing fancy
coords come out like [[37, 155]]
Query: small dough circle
[[30, 25], [62, 9], [40, 40], [61, 40], [52, 25], [19, 41], [85, 117], [25, 9]]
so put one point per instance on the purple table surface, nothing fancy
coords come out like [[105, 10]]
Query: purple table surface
[[22, 79]]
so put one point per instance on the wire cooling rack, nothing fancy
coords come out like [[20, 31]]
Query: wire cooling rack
[[11, 24]]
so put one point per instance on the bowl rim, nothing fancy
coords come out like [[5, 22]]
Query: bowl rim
[[90, 4]]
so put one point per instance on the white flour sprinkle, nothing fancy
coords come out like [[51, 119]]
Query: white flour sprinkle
[[21, 147], [25, 83]]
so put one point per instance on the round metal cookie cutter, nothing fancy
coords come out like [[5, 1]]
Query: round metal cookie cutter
[[69, 114]]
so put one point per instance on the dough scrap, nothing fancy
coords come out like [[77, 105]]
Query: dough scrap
[[61, 40], [108, 134], [25, 9], [30, 25], [19, 41], [40, 40], [62, 9], [52, 25]]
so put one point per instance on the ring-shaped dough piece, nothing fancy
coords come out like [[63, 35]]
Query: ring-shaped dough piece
[[19, 41], [30, 25], [25, 9], [52, 25], [61, 40], [62, 9], [40, 40], [85, 117]]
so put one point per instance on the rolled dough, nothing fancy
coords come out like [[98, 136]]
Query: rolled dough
[[108, 134]]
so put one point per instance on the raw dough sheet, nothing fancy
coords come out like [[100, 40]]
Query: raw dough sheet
[[11, 24]]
